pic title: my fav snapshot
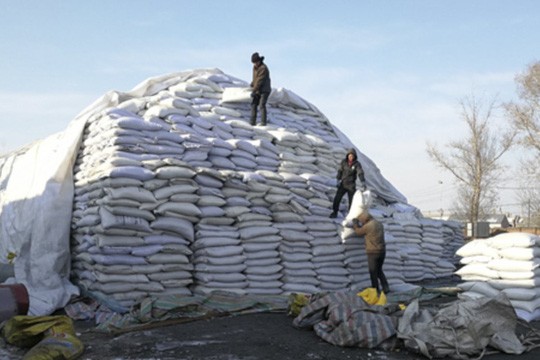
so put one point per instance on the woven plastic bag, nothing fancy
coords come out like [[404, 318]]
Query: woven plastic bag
[[50, 337]]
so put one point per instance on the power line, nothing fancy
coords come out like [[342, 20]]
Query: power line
[[450, 210], [431, 192], [517, 188]]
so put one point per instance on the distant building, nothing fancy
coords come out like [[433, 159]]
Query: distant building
[[497, 221], [486, 224]]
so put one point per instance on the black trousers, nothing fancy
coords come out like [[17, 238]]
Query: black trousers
[[339, 195], [259, 100], [376, 274]]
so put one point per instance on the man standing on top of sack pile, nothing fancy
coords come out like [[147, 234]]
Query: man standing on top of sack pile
[[349, 170], [261, 88]]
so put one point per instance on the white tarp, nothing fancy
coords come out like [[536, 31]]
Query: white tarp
[[36, 200], [36, 195]]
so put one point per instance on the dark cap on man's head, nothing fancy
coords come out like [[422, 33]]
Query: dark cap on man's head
[[256, 58]]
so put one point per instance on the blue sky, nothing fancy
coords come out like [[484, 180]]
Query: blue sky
[[389, 74]]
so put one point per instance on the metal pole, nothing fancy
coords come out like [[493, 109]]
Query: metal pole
[[529, 213]]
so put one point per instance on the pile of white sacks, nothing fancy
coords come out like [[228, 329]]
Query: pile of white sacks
[[175, 192], [508, 263]]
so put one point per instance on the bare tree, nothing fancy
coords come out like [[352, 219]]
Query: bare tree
[[529, 191], [474, 161], [525, 117]]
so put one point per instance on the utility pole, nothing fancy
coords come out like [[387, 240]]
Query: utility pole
[[441, 199], [529, 213]]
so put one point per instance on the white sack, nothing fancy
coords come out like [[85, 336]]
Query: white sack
[[236, 95], [361, 201], [36, 199], [514, 239]]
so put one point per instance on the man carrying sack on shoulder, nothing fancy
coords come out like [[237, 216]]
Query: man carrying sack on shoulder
[[373, 232]]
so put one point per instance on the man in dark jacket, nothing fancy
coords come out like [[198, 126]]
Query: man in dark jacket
[[373, 233], [349, 170], [261, 88]]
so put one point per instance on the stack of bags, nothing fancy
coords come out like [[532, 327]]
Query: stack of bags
[[508, 263], [406, 235], [328, 254], [454, 238], [396, 254], [176, 192], [218, 258], [259, 237], [296, 258], [431, 246], [132, 223], [355, 259]]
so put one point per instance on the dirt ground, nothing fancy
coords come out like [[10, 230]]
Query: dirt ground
[[243, 337]]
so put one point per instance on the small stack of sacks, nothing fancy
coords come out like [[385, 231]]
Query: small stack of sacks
[[508, 263], [396, 258], [454, 238], [406, 232]]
